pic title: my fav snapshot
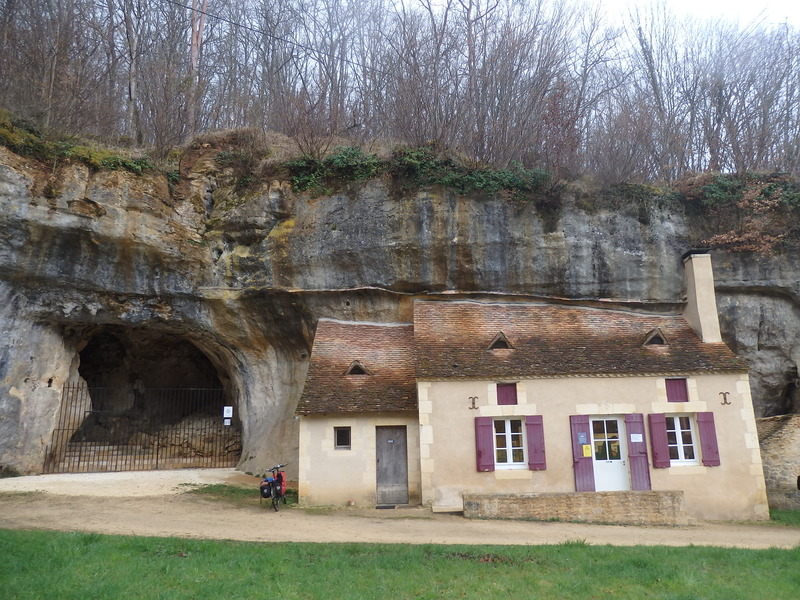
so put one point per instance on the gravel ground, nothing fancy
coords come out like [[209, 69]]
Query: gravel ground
[[153, 503]]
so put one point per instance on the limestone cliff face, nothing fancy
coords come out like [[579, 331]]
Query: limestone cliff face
[[244, 276]]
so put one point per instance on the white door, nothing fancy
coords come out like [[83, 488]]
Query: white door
[[610, 455]]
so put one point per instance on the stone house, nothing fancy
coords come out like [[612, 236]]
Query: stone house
[[521, 399], [359, 432]]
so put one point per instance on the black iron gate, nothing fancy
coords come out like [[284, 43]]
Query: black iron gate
[[117, 429]]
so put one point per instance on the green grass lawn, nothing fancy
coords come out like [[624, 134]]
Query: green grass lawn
[[789, 518], [83, 566]]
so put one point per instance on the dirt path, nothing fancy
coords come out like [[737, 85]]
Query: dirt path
[[153, 504]]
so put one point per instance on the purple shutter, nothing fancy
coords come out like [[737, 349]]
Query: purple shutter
[[677, 390], [637, 452], [584, 469], [506, 393], [708, 439], [534, 430], [484, 443], [658, 440]]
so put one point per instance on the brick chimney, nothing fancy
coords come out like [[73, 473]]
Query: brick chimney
[[701, 302]]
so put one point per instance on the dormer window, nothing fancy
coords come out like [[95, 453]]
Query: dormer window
[[500, 342], [655, 339], [356, 368]]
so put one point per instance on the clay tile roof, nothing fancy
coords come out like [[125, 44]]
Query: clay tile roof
[[385, 354], [452, 340]]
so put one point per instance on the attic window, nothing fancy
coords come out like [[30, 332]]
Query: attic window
[[356, 368], [500, 342], [655, 338]]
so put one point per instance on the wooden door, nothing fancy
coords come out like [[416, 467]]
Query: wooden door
[[582, 453], [392, 465]]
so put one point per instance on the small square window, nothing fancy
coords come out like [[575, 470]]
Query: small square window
[[677, 390], [506, 393], [341, 438]]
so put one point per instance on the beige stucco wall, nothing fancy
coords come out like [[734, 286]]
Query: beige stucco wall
[[330, 476], [734, 490]]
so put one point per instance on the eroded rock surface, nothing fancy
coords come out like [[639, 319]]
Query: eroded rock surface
[[243, 275]]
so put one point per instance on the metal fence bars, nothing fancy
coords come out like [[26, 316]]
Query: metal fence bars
[[120, 429]]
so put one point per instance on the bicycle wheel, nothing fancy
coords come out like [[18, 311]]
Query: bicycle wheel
[[276, 500]]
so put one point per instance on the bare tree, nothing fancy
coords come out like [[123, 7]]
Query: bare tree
[[545, 83], [198, 20], [133, 15], [424, 81]]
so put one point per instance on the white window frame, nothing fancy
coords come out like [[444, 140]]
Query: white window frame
[[674, 427], [508, 439]]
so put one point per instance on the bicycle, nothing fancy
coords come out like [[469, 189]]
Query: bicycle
[[275, 487]]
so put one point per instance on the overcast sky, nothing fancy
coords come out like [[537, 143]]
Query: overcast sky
[[743, 11]]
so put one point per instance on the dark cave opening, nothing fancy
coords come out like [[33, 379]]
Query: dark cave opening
[[157, 377], [150, 400], [116, 357]]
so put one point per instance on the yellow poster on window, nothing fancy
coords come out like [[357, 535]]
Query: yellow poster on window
[[587, 450]]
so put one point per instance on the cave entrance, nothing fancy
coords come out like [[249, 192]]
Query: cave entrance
[[146, 400]]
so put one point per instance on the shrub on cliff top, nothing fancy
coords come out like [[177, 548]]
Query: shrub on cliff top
[[24, 138], [756, 212], [410, 169], [345, 165], [718, 190], [418, 167]]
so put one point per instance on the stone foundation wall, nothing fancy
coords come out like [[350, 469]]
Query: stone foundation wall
[[623, 508], [784, 499], [780, 453]]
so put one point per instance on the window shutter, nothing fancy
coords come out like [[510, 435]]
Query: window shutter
[[484, 443], [506, 393], [658, 440], [534, 429], [677, 390], [584, 469], [637, 452], [708, 439]]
